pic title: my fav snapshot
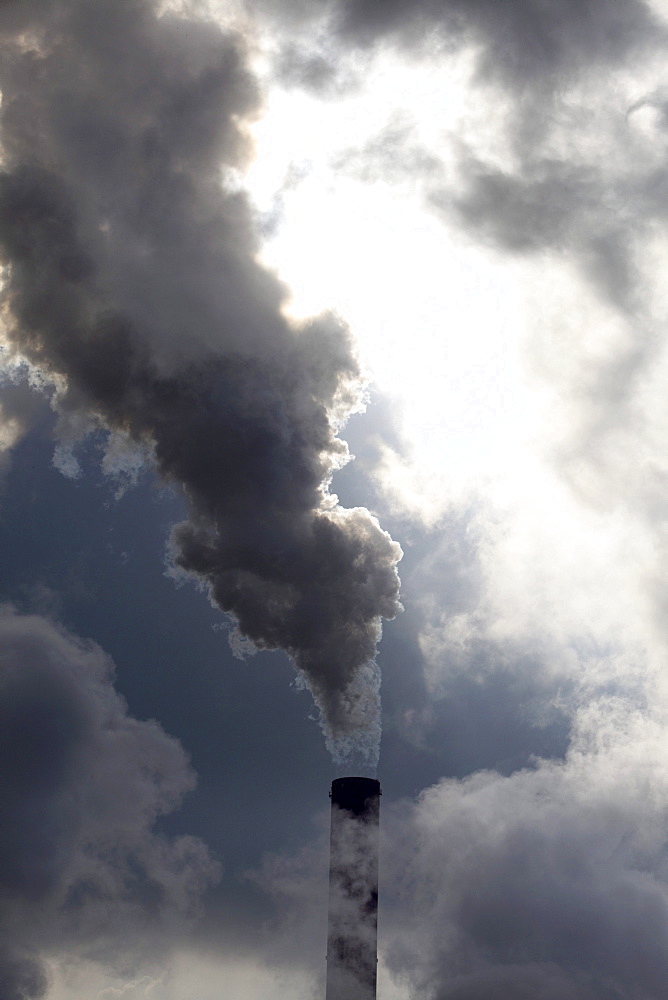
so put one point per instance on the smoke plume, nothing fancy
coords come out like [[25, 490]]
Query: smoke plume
[[132, 282]]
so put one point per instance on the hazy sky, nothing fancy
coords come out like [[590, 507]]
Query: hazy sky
[[301, 296]]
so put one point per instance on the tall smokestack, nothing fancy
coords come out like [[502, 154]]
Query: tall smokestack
[[353, 890]]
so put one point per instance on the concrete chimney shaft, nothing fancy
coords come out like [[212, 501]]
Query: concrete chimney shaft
[[353, 890]]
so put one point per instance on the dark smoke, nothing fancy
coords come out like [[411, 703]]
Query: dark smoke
[[132, 282]]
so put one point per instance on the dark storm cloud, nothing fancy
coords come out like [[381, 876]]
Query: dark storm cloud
[[133, 279], [81, 786]]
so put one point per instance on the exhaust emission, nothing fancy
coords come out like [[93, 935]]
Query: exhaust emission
[[353, 890]]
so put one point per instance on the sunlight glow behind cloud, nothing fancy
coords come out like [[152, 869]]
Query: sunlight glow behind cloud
[[438, 320]]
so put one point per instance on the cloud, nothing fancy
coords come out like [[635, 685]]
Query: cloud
[[580, 200], [550, 879], [520, 41], [548, 150], [549, 882], [135, 989], [82, 868], [134, 284]]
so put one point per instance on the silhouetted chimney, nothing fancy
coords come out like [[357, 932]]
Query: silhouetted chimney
[[353, 890]]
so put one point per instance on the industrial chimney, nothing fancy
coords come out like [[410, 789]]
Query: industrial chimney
[[353, 889]]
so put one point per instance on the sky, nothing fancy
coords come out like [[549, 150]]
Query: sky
[[333, 440]]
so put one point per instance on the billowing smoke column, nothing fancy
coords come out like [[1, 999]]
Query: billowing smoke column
[[353, 890], [132, 285]]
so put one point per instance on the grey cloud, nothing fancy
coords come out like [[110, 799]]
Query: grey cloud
[[524, 213], [551, 204], [550, 880], [21, 977], [548, 884], [134, 277], [521, 42], [591, 208], [541, 981], [535, 48], [297, 884], [82, 784], [595, 213]]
